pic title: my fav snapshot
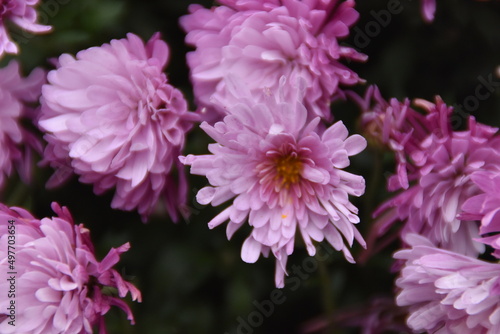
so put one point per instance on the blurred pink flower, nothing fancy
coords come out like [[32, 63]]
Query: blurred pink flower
[[260, 41], [58, 280], [111, 115], [428, 8], [282, 175], [439, 163], [15, 95], [448, 292], [23, 14]]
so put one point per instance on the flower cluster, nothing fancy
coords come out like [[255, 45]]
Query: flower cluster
[[59, 282], [448, 180], [264, 76], [110, 116], [438, 162]]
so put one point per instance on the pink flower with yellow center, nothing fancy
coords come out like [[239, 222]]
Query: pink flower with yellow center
[[283, 175]]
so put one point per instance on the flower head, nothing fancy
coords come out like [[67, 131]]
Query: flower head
[[434, 168], [111, 117], [16, 93], [58, 280], [23, 14], [448, 292], [260, 41], [283, 177]]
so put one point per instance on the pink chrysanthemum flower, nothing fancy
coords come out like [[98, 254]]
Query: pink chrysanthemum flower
[[439, 163], [23, 14], [486, 207], [260, 41], [283, 177], [58, 281], [448, 292], [111, 115], [16, 93]]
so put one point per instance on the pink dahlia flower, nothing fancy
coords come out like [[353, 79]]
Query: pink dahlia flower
[[486, 207], [23, 14], [110, 114], [260, 41], [282, 176], [448, 292], [58, 281], [434, 168], [15, 142]]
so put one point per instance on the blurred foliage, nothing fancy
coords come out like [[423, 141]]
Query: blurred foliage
[[192, 279]]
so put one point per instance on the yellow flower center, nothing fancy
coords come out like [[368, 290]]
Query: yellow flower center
[[288, 170]]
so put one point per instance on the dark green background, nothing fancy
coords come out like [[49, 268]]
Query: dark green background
[[192, 279]]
